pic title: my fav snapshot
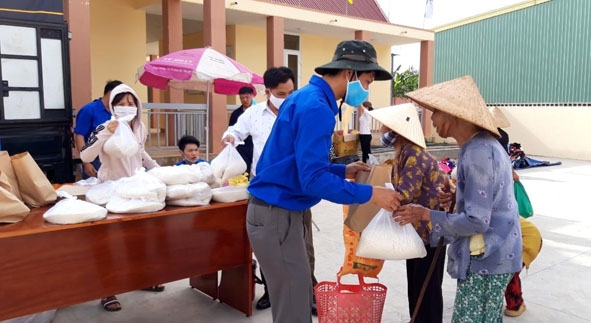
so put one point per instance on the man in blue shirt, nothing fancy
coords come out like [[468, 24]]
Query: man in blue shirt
[[189, 149], [294, 174], [88, 118]]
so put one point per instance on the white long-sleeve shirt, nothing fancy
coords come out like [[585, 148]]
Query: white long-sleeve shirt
[[364, 123], [257, 121]]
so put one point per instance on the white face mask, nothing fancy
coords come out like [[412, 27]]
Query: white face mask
[[124, 113], [275, 100]]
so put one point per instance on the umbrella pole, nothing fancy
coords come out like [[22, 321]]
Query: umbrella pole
[[207, 123]]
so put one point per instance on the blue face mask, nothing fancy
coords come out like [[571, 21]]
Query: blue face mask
[[356, 94]]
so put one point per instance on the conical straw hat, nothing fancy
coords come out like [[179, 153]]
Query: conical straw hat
[[459, 97], [403, 119], [499, 117]]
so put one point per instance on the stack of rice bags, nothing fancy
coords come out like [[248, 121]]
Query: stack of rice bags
[[186, 185], [140, 193]]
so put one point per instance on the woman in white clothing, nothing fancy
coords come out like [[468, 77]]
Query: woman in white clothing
[[365, 130]]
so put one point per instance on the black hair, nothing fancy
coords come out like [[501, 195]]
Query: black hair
[[185, 140], [245, 90], [111, 85], [330, 72], [278, 75], [120, 97], [368, 105], [333, 72]]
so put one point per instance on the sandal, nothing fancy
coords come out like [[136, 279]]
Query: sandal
[[111, 304], [155, 288]]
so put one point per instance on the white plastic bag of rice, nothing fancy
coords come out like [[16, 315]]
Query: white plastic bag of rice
[[384, 238], [100, 194], [176, 175], [175, 192], [122, 143], [229, 194], [141, 186], [228, 164], [71, 210], [200, 199], [119, 204], [204, 171]]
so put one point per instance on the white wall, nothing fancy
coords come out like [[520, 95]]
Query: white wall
[[562, 132]]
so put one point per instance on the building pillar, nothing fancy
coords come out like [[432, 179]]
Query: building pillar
[[275, 41], [214, 35], [362, 35], [426, 79], [172, 38], [172, 41], [78, 18]]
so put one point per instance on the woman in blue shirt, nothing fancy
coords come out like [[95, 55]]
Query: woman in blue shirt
[[483, 229]]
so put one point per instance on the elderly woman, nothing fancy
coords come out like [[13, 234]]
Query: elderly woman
[[483, 230], [416, 177]]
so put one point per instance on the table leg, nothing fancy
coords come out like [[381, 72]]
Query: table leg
[[207, 284], [236, 288]]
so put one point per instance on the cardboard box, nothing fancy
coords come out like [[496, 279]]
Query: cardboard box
[[345, 144], [360, 215]]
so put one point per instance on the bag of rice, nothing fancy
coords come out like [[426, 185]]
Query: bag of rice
[[201, 199], [135, 205], [228, 164], [141, 186], [122, 143], [71, 210], [176, 175], [100, 194], [384, 238], [175, 192], [229, 194]]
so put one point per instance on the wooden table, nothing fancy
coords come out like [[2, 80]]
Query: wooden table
[[45, 266]]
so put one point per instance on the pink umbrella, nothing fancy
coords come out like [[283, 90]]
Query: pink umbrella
[[196, 69], [199, 69]]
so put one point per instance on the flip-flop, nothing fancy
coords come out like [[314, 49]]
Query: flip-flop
[[154, 288], [111, 300]]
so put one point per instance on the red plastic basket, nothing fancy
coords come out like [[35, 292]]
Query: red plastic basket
[[339, 303]]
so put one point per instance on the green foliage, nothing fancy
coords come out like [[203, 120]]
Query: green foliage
[[404, 82]]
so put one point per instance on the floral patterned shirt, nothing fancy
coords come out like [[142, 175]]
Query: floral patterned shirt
[[485, 203], [416, 177]]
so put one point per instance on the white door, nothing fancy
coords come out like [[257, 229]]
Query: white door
[[291, 59], [31, 70]]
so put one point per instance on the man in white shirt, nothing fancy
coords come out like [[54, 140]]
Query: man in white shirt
[[365, 129], [246, 94], [257, 122]]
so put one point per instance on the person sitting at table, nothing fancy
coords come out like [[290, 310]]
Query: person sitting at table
[[123, 103], [189, 149]]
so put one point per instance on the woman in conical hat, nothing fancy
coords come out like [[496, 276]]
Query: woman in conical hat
[[483, 229], [416, 177]]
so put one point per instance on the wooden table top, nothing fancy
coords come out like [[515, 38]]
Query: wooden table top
[[47, 266], [34, 222]]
